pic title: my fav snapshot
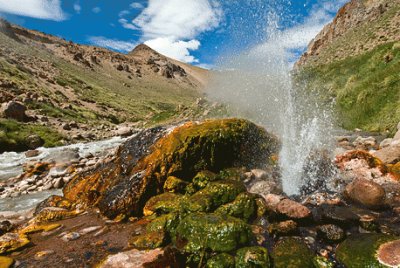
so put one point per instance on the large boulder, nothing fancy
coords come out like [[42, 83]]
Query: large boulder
[[14, 110], [144, 162], [369, 250], [366, 193]]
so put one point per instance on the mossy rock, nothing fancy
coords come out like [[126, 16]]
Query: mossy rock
[[290, 252], [150, 240], [252, 257], [231, 173], [243, 207], [124, 185], [6, 262], [203, 178], [162, 204], [213, 195], [321, 262], [175, 185], [198, 232], [359, 251], [166, 223], [222, 260]]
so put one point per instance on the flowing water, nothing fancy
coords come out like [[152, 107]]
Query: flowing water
[[257, 84]]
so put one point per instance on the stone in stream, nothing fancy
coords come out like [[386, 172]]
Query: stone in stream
[[144, 163], [292, 209], [369, 250], [252, 257], [291, 252], [331, 233], [366, 193]]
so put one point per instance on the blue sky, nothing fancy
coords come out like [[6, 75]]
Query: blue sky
[[199, 32]]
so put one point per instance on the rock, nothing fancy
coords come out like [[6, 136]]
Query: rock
[[212, 145], [365, 143], [222, 260], [366, 193], [369, 250], [292, 252], [175, 185], [66, 126], [331, 233], [283, 228], [41, 255], [11, 242], [243, 207], [32, 153], [6, 262], [149, 240], [34, 141], [124, 132], [162, 204], [385, 143], [134, 259], [5, 227], [389, 155], [292, 209], [200, 231], [252, 257], [14, 110], [70, 236]]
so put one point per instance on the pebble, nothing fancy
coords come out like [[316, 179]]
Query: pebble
[[89, 230], [43, 254], [71, 236]]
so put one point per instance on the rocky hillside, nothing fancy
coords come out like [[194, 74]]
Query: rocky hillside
[[355, 60], [58, 90]]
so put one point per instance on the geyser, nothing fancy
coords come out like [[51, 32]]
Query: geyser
[[257, 84]]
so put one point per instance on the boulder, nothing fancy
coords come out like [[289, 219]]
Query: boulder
[[144, 162], [390, 154], [366, 193], [135, 259], [34, 141], [14, 110], [369, 250], [292, 209], [223, 260], [292, 252], [252, 257]]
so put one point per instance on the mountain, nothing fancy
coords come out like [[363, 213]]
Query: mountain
[[77, 92], [355, 60]]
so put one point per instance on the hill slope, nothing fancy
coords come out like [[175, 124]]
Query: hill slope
[[356, 61], [61, 82]]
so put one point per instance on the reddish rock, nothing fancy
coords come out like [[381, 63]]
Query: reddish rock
[[292, 209], [366, 193], [132, 259], [389, 254]]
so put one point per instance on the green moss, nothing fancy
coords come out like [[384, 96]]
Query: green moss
[[13, 135], [162, 204], [213, 195], [175, 185], [243, 207], [232, 174], [149, 240], [203, 178], [359, 251], [222, 260], [198, 232], [166, 223], [292, 253], [252, 257], [321, 262]]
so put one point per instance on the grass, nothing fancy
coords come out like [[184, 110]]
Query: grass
[[13, 135], [366, 88]]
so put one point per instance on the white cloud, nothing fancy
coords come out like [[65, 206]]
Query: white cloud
[[179, 50], [172, 27], [136, 5], [118, 45], [96, 10], [77, 8], [40, 9]]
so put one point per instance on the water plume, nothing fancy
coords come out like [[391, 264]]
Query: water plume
[[257, 84]]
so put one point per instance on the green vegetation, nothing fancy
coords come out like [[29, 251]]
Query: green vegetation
[[366, 88], [13, 135]]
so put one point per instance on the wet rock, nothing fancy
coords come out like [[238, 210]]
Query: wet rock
[[11, 242], [292, 209], [133, 259], [175, 185], [5, 227], [243, 207], [292, 252], [366, 193], [252, 257], [211, 145], [53, 201], [162, 204], [165, 223], [150, 240], [335, 214], [222, 260], [203, 178], [200, 231], [14, 110], [331, 233], [6, 262], [32, 153], [362, 250], [283, 228], [389, 254]]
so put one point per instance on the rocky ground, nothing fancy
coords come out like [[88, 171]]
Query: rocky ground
[[199, 196]]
